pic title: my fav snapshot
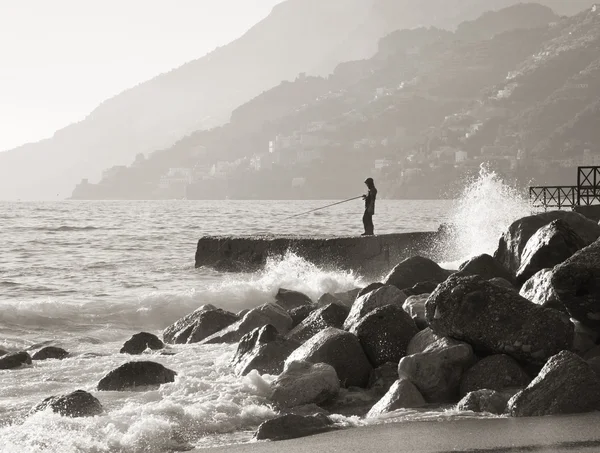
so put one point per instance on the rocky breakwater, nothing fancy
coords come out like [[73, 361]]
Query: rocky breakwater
[[369, 256]]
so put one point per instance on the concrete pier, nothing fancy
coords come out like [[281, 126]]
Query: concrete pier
[[368, 256]]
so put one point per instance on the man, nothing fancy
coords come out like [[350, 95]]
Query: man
[[369, 207]]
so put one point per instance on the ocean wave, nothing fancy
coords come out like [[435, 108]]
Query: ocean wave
[[66, 228]]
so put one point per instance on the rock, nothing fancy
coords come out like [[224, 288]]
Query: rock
[[257, 317], [209, 323], [263, 350], [421, 288], [502, 282], [594, 352], [496, 320], [437, 373], [299, 314], [538, 289], [495, 372], [486, 267], [341, 350], [50, 352], [565, 385], [291, 426], [370, 287], [421, 341], [76, 404], [415, 306], [484, 400], [3, 352], [550, 245], [382, 378], [585, 338], [416, 270], [332, 315], [15, 360], [576, 283], [513, 241], [179, 332], [136, 374], [140, 342], [402, 395], [327, 299], [288, 299], [347, 298], [305, 383], [386, 295], [384, 334], [594, 364], [240, 314]]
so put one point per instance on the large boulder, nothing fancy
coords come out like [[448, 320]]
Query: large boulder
[[342, 351], [292, 426], [289, 299], [486, 266], [76, 404], [576, 283], [538, 289], [496, 320], [305, 383], [140, 342], [437, 373], [299, 314], [484, 400], [179, 331], [416, 270], [402, 395], [385, 295], [14, 360], [513, 241], [257, 317], [263, 350], [50, 352], [421, 341], [550, 245], [495, 372], [136, 374], [384, 334], [565, 385], [332, 315]]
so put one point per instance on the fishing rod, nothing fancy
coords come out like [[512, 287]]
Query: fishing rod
[[323, 207]]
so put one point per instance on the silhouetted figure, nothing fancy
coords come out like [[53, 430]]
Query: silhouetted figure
[[369, 207]]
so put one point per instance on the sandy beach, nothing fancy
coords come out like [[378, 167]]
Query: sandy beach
[[578, 433]]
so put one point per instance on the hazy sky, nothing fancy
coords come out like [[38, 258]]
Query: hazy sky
[[60, 58]]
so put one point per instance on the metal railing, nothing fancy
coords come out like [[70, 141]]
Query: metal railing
[[585, 193]]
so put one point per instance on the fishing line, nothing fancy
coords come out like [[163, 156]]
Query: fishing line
[[318, 209]]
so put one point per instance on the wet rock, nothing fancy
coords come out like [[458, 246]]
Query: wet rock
[[136, 374], [496, 320], [421, 288], [585, 338], [179, 332], [332, 315], [50, 352], [386, 295], [263, 350], [421, 341], [327, 299], [257, 317], [14, 360], [594, 352], [415, 307], [538, 289], [299, 314], [370, 287], [76, 404], [484, 400], [305, 383], [289, 299], [495, 372], [437, 373], [594, 364], [382, 378], [550, 245], [416, 270], [3, 352], [565, 385], [240, 314], [513, 241], [576, 283], [140, 342], [486, 266], [341, 350], [291, 426], [347, 298], [502, 282], [384, 334], [402, 395]]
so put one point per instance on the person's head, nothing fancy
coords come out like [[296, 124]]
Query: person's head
[[370, 183]]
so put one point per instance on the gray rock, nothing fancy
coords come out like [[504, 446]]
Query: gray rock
[[421, 341], [495, 372], [305, 383], [385, 334], [289, 299], [496, 320], [76, 404], [386, 295], [538, 289], [370, 287], [382, 378], [140, 342], [240, 314], [332, 315], [136, 374], [484, 400], [347, 298], [209, 323], [486, 266], [299, 314], [502, 282], [50, 352], [291, 426], [594, 364], [327, 299], [341, 350], [14, 360], [421, 288], [552, 244], [594, 352], [585, 338], [179, 331], [437, 373], [415, 306], [402, 395], [416, 270], [565, 385], [3, 352]]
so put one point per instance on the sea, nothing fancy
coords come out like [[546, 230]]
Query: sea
[[85, 276]]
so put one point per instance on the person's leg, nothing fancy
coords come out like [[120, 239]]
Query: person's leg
[[370, 227], [365, 222]]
